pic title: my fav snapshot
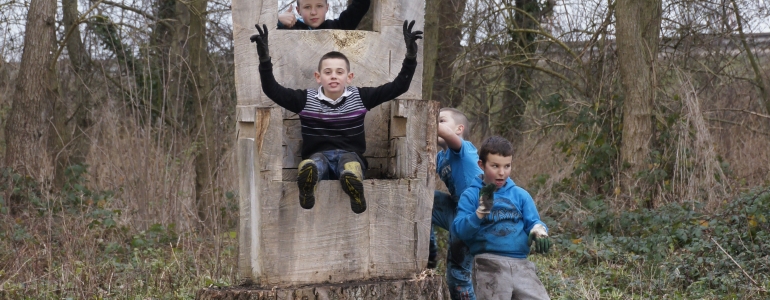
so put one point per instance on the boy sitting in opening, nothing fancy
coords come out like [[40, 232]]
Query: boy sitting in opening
[[332, 117], [313, 13], [457, 166], [499, 222]]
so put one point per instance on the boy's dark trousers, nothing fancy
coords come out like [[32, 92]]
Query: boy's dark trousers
[[459, 260], [343, 165]]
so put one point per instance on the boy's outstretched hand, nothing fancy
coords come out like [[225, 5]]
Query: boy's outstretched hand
[[411, 39], [539, 236], [486, 200], [261, 40]]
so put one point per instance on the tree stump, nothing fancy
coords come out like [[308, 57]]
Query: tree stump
[[424, 287]]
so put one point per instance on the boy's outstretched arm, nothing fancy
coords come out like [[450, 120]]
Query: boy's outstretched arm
[[293, 100], [538, 232], [352, 15], [373, 96], [451, 139]]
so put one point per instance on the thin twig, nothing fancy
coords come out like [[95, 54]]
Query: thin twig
[[740, 110], [739, 266]]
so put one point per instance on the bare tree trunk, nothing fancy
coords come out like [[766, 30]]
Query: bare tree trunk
[[638, 30], [443, 32], [206, 157], [168, 40], [72, 137], [759, 81], [520, 49], [450, 18], [430, 49], [26, 130]]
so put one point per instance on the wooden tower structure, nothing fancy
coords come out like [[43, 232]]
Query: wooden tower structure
[[329, 248]]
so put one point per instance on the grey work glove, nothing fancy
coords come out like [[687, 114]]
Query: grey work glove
[[539, 237], [411, 39], [261, 40], [486, 199]]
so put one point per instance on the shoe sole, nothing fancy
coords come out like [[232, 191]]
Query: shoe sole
[[352, 186], [306, 181]]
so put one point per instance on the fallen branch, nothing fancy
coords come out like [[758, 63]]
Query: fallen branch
[[761, 288], [741, 110]]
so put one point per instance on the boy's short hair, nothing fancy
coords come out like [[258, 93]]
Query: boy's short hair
[[327, 1], [334, 54], [458, 116], [495, 145]]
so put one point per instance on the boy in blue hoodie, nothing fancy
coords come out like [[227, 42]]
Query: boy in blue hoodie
[[499, 222], [457, 166]]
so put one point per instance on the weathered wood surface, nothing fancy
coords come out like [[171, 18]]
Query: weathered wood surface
[[282, 244], [423, 288], [330, 243], [413, 138]]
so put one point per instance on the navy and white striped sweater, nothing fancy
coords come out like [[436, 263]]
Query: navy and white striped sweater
[[339, 126]]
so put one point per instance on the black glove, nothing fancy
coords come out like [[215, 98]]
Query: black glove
[[411, 40], [261, 40], [486, 199]]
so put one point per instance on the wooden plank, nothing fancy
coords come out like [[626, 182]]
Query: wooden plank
[[245, 113], [395, 12], [413, 138], [249, 207], [376, 125], [393, 230], [269, 140], [399, 157], [324, 244], [245, 15], [330, 243], [292, 143], [421, 132]]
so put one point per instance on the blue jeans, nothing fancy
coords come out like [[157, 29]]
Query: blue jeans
[[459, 260], [330, 163]]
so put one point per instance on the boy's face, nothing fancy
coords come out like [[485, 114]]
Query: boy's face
[[333, 76], [497, 169], [447, 118], [313, 12]]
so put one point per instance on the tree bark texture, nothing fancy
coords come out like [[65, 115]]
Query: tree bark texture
[[206, 156], [69, 134], [430, 51], [759, 80], [26, 130], [427, 288], [638, 30], [450, 18], [520, 49]]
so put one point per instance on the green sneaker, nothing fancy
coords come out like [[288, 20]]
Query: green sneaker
[[354, 186], [307, 180]]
